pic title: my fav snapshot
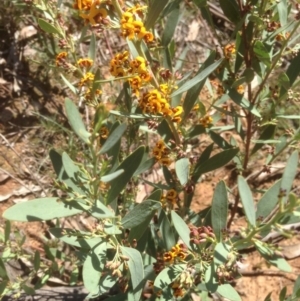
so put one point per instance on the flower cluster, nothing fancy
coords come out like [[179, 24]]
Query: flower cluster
[[60, 59], [206, 121], [85, 63], [161, 153], [87, 79], [132, 27], [170, 198], [229, 50], [201, 234], [91, 11], [154, 102], [121, 66], [177, 253]]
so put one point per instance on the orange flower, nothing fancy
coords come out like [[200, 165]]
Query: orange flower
[[85, 63], [61, 58]]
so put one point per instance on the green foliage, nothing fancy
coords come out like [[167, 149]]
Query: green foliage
[[159, 245]]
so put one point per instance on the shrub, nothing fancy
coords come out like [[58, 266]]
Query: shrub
[[160, 248]]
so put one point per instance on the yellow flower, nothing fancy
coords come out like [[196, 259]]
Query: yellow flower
[[240, 89], [206, 121], [85, 63], [60, 58], [229, 50], [177, 111], [88, 78], [104, 132], [148, 37], [95, 15], [83, 4]]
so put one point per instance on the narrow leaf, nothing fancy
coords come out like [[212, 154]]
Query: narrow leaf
[[139, 213], [219, 209], [182, 170], [290, 173], [113, 138], [247, 200], [166, 276], [170, 27], [41, 210], [111, 176], [76, 121], [129, 165], [215, 162], [268, 201], [181, 228], [155, 10], [47, 27], [136, 268], [227, 291], [198, 78], [231, 10]]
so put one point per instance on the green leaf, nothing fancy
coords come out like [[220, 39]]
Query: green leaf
[[288, 116], [240, 100], [129, 165], [136, 268], [67, 236], [282, 8], [139, 213], [60, 171], [289, 173], [47, 27], [296, 288], [227, 291], [221, 253], [69, 166], [261, 52], [220, 141], [247, 200], [93, 267], [170, 27], [219, 209], [210, 280], [215, 162], [92, 48], [284, 81], [113, 138], [138, 231], [36, 261], [146, 165], [282, 294], [155, 10], [293, 70], [3, 273], [182, 167], [181, 228], [192, 94], [167, 231], [267, 133], [111, 176], [76, 121], [198, 78], [164, 131], [28, 290], [231, 10], [278, 261], [69, 85], [166, 276], [41, 210], [3, 286], [100, 211], [7, 231], [268, 201]]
